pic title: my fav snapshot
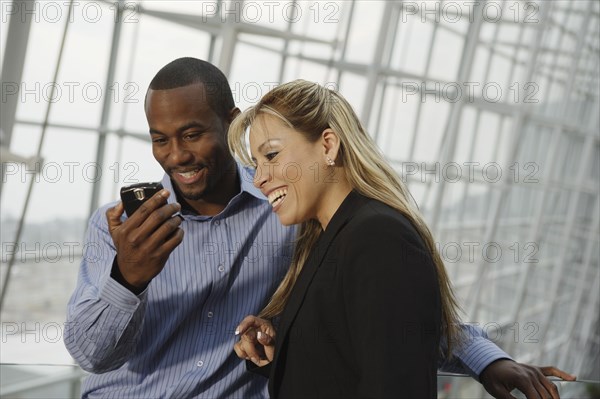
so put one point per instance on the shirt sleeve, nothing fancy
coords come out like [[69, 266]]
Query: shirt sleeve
[[474, 355], [104, 319]]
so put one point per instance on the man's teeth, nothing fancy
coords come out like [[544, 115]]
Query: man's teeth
[[277, 196], [189, 174]]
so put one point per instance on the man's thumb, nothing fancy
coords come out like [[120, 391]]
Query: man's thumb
[[113, 216]]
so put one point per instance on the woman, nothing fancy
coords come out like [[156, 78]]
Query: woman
[[366, 299]]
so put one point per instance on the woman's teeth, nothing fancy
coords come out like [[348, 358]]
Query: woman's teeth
[[277, 196]]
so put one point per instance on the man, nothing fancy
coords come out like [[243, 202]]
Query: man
[[158, 297]]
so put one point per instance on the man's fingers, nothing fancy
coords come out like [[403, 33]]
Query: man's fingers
[[551, 388], [553, 371], [535, 391], [159, 216], [531, 384], [165, 231], [156, 201], [155, 229], [546, 387], [173, 241]]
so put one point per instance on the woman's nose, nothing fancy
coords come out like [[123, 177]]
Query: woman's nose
[[261, 176]]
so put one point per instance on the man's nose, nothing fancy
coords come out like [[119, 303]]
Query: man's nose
[[179, 153]]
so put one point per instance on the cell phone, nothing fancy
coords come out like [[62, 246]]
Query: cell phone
[[135, 195]]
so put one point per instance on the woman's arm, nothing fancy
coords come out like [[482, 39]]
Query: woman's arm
[[393, 308]]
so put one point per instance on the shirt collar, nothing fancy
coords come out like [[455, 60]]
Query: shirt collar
[[246, 175]]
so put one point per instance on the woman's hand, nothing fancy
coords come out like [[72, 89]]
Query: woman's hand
[[257, 340]]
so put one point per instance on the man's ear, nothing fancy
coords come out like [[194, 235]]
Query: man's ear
[[331, 144], [235, 111]]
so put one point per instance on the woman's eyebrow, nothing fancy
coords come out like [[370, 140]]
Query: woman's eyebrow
[[267, 142]]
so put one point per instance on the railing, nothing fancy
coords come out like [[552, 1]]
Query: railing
[[40, 381], [461, 386], [25, 381]]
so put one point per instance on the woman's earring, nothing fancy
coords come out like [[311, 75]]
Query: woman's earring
[[330, 162]]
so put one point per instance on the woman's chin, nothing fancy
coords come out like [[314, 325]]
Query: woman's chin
[[290, 221], [286, 222]]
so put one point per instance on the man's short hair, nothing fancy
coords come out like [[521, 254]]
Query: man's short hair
[[186, 71]]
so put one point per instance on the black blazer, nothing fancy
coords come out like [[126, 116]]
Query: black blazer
[[364, 317]]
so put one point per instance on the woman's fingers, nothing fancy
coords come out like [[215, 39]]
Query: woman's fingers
[[268, 343], [257, 340], [248, 322], [264, 338], [256, 323], [239, 350], [249, 347]]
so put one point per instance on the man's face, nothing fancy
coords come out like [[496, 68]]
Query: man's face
[[188, 140]]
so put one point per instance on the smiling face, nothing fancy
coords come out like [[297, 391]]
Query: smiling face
[[189, 142], [286, 166], [292, 171]]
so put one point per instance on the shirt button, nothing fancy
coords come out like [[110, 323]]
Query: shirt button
[[210, 314], [200, 363], [217, 222], [221, 268]]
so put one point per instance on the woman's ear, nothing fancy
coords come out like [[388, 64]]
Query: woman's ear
[[331, 144]]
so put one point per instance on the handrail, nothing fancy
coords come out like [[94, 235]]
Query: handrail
[[22, 386], [75, 374]]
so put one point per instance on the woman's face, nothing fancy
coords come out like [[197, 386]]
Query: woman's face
[[290, 170]]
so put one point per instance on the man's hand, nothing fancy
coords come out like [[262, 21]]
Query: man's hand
[[146, 239], [257, 340], [504, 375]]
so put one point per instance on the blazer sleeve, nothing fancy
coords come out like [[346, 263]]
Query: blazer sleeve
[[392, 304], [265, 370]]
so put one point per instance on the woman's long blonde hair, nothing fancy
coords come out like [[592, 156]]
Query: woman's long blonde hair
[[310, 109]]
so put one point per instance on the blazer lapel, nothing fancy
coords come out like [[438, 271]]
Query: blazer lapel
[[340, 218]]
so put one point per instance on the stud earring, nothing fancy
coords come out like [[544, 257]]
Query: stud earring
[[330, 162]]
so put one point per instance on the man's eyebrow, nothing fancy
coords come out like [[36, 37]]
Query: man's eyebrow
[[190, 125]]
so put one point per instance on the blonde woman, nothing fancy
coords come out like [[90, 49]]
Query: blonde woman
[[367, 297]]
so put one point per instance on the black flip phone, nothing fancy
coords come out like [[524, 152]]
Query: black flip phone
[[135, 195]]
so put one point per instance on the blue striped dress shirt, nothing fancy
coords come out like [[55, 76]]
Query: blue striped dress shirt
[[175, 339]]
